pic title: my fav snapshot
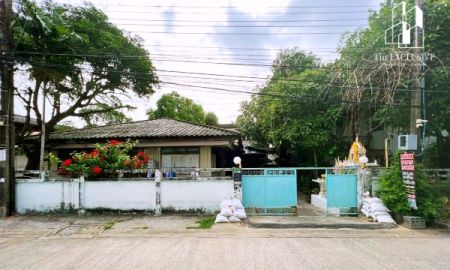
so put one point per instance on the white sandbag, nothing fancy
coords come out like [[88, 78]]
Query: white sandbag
[[226, 203], [374, 207], [234, 219], [221, 219], [236, 203], [372, 215], [227, 212], [385, 219], [240, 213], [379, 213], [375, 200], [365, 212]]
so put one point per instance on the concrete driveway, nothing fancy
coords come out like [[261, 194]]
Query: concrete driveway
[[110, 242]]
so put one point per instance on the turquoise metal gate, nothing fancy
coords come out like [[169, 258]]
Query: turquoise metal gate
[[342, 194], [270, 191]]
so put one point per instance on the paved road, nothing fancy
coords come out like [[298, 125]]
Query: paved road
[[223, 247]]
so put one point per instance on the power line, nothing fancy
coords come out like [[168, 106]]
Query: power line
[[234, 91], [281, 12], [239, 21], [297, 98], [127, 56], [322, 83], [244, 26], [181, 60], [319, 82], [220, 7], [239, 33], [294, 67], [200, 51], [224, 48], [227, 33], [212, 13]]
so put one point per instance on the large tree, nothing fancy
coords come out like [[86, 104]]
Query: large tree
[[380, 90], [79, 61], [294, 112], [106, 117], [177, 107]]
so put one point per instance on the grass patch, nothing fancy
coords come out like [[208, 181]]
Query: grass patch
[[109, 225], [141, 228], [204, 223]]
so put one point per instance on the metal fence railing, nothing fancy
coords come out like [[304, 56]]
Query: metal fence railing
[[438, 175], [137, 174]]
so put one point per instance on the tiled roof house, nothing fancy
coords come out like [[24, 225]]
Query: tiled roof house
[[171, 143]]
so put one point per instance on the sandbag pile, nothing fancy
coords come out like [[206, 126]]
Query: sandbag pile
[[374, 208], [231, 210]]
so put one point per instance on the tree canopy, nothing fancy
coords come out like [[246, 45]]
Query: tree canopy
[[294, 112], [306, 106], [177, 107], [112, 116], [81, 62], [381, 90]]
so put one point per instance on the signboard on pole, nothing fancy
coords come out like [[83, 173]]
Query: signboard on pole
[[407, 167]]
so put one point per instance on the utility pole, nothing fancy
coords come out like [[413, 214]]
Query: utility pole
[[416, 96], [7, 133]]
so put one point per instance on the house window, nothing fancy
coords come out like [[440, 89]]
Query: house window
[[180, 157]]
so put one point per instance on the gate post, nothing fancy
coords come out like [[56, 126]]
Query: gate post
[[237, 183], [237, 178], [158, 192]]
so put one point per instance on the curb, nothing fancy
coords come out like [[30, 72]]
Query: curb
[[375, 226]]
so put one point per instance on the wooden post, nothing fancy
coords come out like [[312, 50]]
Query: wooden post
[[386, 152], [7, 133]]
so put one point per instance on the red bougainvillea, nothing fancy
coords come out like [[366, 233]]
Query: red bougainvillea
[[114, 142], [94, 153], [96, 170], [67, 162], [107, 160], [143, 156]]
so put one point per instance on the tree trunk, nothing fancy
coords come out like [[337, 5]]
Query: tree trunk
[[316, 173], [32, 153]]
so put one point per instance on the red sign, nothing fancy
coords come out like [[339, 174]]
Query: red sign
[[407, 166]]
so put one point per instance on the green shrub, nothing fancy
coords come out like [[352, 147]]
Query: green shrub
[[392, 192]]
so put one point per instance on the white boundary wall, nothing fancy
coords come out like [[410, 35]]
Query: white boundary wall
[[46, 196], [123, 195], [192, 194], [35, 196]]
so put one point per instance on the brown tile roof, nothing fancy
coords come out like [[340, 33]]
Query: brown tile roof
[[159, 128]]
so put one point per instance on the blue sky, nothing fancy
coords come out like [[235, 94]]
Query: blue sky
[[184, 37]]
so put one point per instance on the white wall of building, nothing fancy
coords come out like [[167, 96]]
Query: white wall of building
[[35, 196]]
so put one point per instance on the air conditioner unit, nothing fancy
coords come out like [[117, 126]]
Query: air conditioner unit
[[407, 142]]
